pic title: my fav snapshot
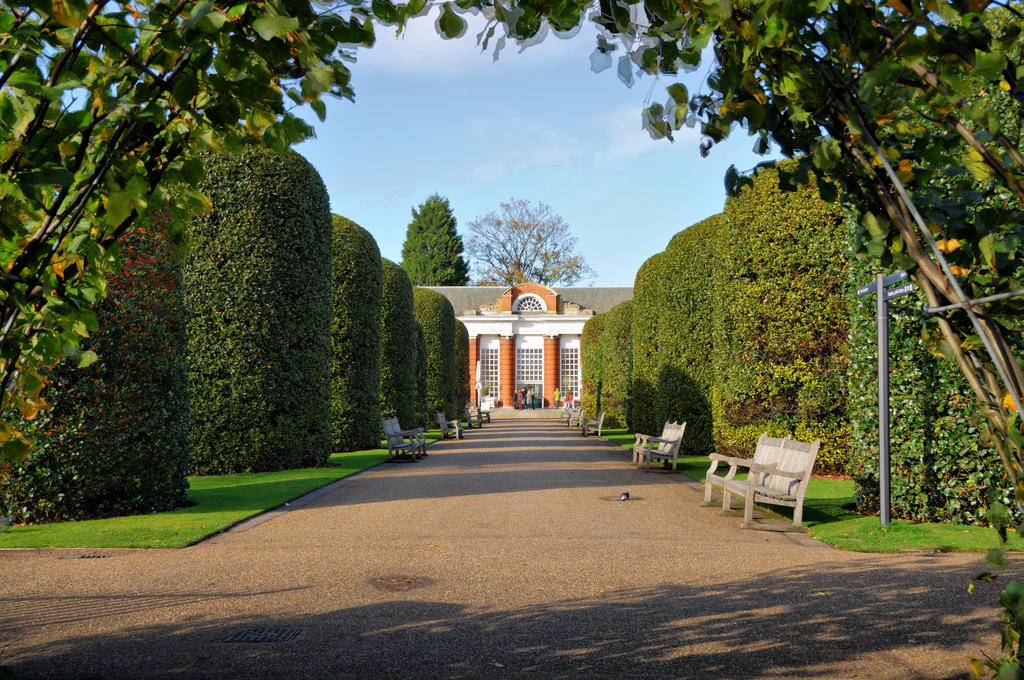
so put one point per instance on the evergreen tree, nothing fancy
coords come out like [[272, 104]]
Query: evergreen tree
[[432, 252]]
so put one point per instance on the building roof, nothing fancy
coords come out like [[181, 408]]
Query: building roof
[[599, 299]]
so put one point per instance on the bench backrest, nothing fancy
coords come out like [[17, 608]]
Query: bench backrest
[[391, 431], [789, 455], [668, 432], [673, 432], [442, 421]]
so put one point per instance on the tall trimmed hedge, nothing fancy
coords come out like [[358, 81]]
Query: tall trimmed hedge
[[941, 470], [437, 317], [591, 365], [649, 299], [258, 289], [462, 367], [114, 442], [780, 349], [423, 417], [617, 365], [685, 332], [399, 348], [355, 337]]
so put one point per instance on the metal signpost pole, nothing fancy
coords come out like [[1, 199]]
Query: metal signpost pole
[[884, 479], [882, 296]]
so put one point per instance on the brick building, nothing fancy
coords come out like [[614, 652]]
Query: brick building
[[527, 335]]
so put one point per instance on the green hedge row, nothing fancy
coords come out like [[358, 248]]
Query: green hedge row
[[355, 337], [616, 375], [781, 322], [649, 301], [423, 416], [462, 368], [591, 365], [398, 348], [114, 441], [673, 324], [437, 318], [258, 291]]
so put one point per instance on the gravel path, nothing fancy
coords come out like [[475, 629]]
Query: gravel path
[[517, 566]]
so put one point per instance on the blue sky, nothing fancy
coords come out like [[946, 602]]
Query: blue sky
[[440, 116]]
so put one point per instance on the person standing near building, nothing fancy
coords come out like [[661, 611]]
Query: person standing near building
[[530, 400], [555, 397]]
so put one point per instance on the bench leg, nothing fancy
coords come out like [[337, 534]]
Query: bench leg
[[726, 500], [748, 506]]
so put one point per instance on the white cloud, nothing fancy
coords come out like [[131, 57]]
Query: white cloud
[[520, 145], [627, 138]]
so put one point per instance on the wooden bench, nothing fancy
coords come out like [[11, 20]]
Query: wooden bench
[[643, 441], [588, 426], [571, 415], [646, 448], [403, 444], [473, 414], [449, 428], [778, 475]]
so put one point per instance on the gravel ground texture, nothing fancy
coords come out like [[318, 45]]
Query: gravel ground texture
[[497, 556]]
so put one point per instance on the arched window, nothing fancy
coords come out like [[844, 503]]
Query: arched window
[[529, 303]]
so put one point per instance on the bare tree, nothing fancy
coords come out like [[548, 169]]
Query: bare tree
[[523, 242]]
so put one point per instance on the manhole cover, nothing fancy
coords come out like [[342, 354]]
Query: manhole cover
[[263, 635], [91, 556], [398, 583]]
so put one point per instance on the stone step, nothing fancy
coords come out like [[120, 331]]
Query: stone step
[[526, 413]]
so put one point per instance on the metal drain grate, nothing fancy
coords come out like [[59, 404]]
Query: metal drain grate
[[393, 584], [263, 635], [88, 556]]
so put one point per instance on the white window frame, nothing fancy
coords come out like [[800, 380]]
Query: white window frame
[[518, 309]]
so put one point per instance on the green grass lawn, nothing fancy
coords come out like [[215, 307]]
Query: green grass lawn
[[221, 501], [828, 516]]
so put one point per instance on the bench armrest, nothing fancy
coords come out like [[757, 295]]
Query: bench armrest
[[733, 462], [659, 440], [792, 474]]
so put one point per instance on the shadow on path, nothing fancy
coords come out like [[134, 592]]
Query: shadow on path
[[911, 620]]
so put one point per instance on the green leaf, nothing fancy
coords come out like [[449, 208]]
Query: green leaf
[[877, 228], [989, 64], [826, 153], [449, 24], [118, 207], [385, 10], [269, 27], [70, 12], [185, 89], [87, 358], [50, 173], [15, 450], [679, 93], [987, 252]]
